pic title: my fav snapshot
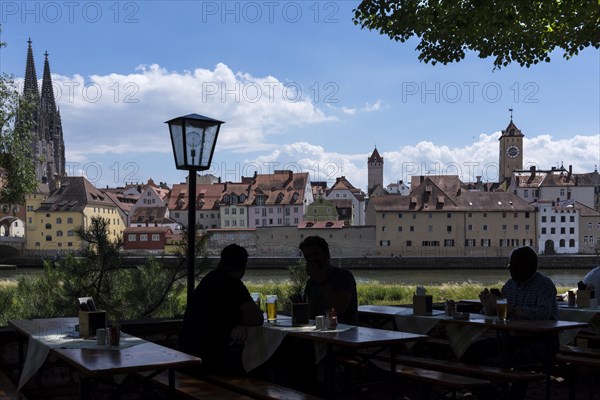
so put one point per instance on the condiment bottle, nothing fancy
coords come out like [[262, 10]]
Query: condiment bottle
[[332, 319]]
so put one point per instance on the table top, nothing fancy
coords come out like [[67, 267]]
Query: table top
[[527, 326], [360, 336], [105, 360]]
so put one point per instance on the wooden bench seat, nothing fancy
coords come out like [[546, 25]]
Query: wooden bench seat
[[495, 374], [580, 351], [257, 388], [188, 387]]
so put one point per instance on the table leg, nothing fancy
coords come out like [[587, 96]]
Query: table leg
[[329, 372], [171, 383], [84, 388]]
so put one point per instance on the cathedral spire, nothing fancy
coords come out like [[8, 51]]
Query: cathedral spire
[[48, 103], [31, 85]]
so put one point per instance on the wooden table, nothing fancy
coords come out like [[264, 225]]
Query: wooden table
[[105, 361], [347, 341]]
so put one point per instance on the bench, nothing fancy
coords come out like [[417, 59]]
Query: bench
[[495, 374], [583, 360], [229, 387], [257, 388], [8, 390], [188, 387], [429, 378]]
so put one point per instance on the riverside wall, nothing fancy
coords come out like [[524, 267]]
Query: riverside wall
[[376, 263]]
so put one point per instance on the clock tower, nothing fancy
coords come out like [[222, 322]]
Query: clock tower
[[511, 151]]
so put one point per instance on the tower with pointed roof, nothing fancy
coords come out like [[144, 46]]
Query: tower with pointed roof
[[511, 151], [47, 147], [375, 171]]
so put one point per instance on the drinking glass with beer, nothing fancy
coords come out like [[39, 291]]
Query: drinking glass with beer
[[271, 307], [502, 307]]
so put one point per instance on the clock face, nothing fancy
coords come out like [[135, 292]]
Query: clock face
[[512, 151]]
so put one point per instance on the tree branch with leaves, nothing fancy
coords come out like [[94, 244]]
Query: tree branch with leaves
[[521, 31]]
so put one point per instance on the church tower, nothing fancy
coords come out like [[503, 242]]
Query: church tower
[[511, 151], [48, 147], [375, 171]]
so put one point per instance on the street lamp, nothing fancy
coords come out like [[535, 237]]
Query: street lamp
[[193, 138]]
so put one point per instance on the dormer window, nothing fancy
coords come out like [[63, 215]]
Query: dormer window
[[295, 197], [226, 199], [260, 200], [233, 199], [280, 197], [242, 198]]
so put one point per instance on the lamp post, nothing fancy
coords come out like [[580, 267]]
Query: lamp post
[[193, 138]]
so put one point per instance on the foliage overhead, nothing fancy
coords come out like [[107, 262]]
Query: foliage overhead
[[521, 31], [17, 167]]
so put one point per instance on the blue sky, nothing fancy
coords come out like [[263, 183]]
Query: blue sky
[[299, 86]]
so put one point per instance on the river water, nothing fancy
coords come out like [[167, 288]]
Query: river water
[[410, 277]]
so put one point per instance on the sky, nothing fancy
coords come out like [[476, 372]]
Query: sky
[[299, 87]]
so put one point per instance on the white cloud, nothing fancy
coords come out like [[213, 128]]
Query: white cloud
[[368, 107], [125, 113]]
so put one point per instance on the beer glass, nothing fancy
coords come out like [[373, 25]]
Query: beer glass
[[256, 298], [502, 307], [271, 308]]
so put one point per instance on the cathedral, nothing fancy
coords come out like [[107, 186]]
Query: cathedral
[[48, 146]]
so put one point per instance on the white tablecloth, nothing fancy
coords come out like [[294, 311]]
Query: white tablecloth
[[50, 336], [460, 336], [592, 316], [263, 340]]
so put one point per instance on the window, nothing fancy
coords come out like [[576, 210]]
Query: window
[[484, 215], [543, 231], [449, 228], [516, 215], [449, 243], [543, 218], [563, 218], [553, 219], [449, 215], [408, 243], [399, 229], [384, 243], [430, 228], [131, 237], [59, 220], [233, 211], [257, 222], [503, 242], [527, 214], [414, 215], [503, 215], [48, 226], [561, 243], [399, 215], [485, 242], [571, 242], [589, 226], [30, 220], [563, 231], [516, 227], [526, 227], [383, 229], [525, 193], [430, 215], [226, 211], [562, 193], [430, 243], [503, 227], [412, 229], [155, 237], [144, 237], [59, 233], [572, 218], [552, 231], [227, 222], [470, 215], [470, 243], [469, 227], [48, 238], [485, 227], [256, 211], [382, 215], [241, 211], [70, 232]]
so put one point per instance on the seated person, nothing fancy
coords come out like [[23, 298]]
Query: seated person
[[327, 286], [216, 317], [530, 296]]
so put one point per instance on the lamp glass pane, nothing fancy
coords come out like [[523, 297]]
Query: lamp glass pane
[[177, 141], [200, 141]]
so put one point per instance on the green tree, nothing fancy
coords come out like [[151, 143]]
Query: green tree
[[521, 31], [17, 168]]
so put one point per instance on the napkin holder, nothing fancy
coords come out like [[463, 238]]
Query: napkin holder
[[300, 314], [90, 321], [583, 298], [422, 304]]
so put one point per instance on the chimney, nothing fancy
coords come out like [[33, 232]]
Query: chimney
[[478, 177], [421, 179]]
